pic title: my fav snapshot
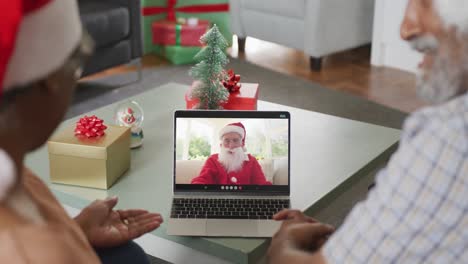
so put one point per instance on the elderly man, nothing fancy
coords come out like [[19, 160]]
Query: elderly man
[[42, 47], [232, 165], [417, 213]]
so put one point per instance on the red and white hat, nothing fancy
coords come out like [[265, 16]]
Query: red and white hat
[[36, 37], [453, 13], [234, 127]]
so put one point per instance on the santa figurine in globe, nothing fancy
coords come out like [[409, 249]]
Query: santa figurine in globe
[[130, 114], [233, 165]]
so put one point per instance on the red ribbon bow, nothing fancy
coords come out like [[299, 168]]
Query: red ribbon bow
[[90, 127], [232, 83]]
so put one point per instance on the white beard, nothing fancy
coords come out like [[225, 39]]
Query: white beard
[[444, 80], [232, 161]]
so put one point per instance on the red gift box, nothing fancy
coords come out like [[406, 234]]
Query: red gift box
[[172, 33], [245, 99]]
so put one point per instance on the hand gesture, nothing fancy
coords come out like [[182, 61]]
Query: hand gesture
[[298, 232], [105, 227]]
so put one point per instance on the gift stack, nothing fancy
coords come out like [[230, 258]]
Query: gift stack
[[89, 154], [180, 40], [242, 96], [178, 13]]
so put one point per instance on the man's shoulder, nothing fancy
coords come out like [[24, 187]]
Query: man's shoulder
[[213, 157], [251, 158], [449, 120]]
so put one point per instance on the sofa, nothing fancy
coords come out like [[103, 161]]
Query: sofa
[[275, 170], [115, 26], [316, 27]]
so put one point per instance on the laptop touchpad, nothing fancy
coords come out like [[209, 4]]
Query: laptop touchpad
[[231, 227]]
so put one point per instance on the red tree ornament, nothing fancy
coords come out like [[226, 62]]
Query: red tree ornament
[[90, 127], [232, 83]]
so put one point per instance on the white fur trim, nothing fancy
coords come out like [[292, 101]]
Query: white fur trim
[[46, 38], [453, 13], [7, 174], [229, 129]]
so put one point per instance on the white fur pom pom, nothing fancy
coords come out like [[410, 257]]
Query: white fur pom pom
[[7, 174]]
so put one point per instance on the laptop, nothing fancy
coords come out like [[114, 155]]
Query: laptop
[[231, 172]]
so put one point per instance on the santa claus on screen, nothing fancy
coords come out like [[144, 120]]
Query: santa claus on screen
[[232, 166]]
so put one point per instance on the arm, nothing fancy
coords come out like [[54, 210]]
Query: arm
[[43, 244], [292, 255], [257, 173], [106, 227], [207, 174], [410, 201]]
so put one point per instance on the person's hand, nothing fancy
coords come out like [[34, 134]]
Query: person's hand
[[290, 214], [105, 227], [298, 232]]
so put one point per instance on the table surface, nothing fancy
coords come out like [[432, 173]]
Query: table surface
[[326, 152]]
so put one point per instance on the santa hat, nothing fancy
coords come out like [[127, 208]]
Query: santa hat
[[453, 13], [236, 128], [36, 37]]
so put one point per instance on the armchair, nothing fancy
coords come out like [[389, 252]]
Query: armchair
[[316, 27]]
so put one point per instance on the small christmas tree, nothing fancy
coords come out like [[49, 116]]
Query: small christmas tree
[[209, 73]]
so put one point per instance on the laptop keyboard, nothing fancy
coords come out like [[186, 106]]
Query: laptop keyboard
[[227, 208]]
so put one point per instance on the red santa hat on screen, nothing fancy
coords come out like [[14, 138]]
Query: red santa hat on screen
[[36, 37], [453, 13], [236, 128]]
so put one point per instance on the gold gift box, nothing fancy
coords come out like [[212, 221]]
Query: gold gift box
[[93, 162]]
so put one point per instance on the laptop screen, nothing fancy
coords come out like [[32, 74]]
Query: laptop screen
[[232, 151]]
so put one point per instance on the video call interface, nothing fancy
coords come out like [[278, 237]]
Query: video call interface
[[231, 154]]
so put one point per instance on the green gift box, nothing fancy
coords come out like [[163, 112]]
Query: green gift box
[[180, 54], [216, 11]]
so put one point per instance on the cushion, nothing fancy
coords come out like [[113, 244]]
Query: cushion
[[281, 171], [288, 8], [267, 168], [186, 170], [106, 22]]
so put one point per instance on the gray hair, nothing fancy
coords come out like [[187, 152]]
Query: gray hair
[[453, 13]]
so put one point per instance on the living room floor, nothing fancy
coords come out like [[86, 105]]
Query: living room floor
[[348, 71]]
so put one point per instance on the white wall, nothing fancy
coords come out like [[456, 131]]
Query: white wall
[[388, 49]]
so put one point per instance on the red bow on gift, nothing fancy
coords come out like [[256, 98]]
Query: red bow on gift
[[232, 83], [90, 126]]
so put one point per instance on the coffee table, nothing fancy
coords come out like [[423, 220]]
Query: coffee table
[[327, 153]]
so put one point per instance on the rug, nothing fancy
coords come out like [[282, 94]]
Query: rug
[[274, 87]]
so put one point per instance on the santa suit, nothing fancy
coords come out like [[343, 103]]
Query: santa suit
[[213, 172]]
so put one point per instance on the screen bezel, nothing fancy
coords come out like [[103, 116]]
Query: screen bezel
[[246, 189]]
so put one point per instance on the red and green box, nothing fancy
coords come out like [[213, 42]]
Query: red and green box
[[171, 33], [216, 11], [245, 99]]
